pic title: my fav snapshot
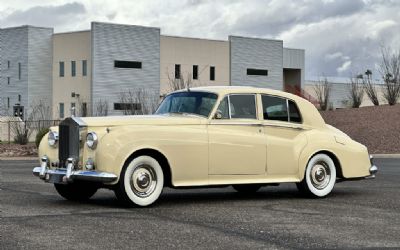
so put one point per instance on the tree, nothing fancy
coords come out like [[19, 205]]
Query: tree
[[356, 91], [370, 87], [179, 83], [101, 108], [138, 101], [322, 91], [390, 71]]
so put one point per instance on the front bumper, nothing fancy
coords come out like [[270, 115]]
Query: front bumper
[[373, 169], [69, 174]]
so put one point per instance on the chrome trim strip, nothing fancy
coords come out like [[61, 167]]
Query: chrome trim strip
[[283, 126], [80, 122], [59, 174], [236, 123]]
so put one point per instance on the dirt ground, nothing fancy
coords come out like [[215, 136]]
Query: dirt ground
[[376, 127], [16, 150]]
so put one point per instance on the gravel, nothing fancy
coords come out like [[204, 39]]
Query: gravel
[[378, 128]]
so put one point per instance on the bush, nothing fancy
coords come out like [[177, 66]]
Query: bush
[[40, 135], [21, 139]]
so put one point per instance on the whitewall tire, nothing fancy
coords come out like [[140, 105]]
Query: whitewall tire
[[141, 182], [320, 176]]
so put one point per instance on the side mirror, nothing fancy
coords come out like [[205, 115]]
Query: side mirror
[[218, 115]]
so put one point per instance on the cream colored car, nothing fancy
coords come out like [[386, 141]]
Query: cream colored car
[[208, 136]]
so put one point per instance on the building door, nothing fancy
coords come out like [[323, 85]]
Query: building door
[[19, 112]]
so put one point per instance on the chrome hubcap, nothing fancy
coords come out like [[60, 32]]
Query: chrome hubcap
[[320, 175], [143, 181]]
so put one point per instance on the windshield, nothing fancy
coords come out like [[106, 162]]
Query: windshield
[[199, 103]]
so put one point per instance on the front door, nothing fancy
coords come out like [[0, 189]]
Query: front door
[[237, 144]]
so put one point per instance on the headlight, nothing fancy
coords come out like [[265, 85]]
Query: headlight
[[91, 140], [52, 138]]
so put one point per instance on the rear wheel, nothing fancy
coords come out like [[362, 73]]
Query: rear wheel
[[76, 191], [247, 188], [141, 182], [320, 176]]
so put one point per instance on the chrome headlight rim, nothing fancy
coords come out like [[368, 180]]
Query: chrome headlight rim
[[52, 139], [91, 140]]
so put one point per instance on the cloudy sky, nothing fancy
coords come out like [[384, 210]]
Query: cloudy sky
[[340, 36]]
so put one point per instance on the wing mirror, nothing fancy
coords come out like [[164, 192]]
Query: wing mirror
[[218, 115]]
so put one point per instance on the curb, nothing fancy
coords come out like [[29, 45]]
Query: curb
[[386, 156], [19, 158]]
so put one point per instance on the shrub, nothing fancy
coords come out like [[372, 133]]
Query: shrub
[[40, 135]]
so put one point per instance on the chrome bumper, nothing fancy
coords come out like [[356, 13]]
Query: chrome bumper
[[69, 174], [373, 169]]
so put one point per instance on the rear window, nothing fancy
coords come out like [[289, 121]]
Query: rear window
[[280, 109]]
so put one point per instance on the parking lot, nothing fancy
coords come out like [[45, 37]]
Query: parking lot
[[357, 214]]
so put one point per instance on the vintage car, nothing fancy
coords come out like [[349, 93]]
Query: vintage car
[[206, 136]]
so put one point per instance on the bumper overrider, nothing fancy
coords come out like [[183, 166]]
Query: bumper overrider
[[373, 169], [69, 174]]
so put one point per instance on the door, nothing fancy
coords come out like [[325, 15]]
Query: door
[[285, 135], [237, 143]]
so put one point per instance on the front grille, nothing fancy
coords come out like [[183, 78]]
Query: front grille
[[68, 141]]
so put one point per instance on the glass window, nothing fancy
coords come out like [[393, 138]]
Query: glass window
[[257, 72], [212, 73], [84, 68], [294, 112], [195, 72], [19, 98], [84, 109], [8, 64], [128, 64], [8, 102], [243, 106], [73, 68], [8, 80], [274, 108], [19, 71], [177, 71], [61, 110], [223, 108], [200, 103], [61, 72]]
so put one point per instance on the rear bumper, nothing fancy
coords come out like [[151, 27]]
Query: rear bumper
[[69, 174], [373, 169]]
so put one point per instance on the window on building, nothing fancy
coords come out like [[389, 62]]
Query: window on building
[[212, 73], [274, 108], [127, 106], [84, 68], [19, 71], [8, 102], [73, 68], [195, 72], [177, 71], [61, 73], [61, 109], [19, 98], [84, 109], [8, 80], [257, 72], [8, 64], [128, 64]]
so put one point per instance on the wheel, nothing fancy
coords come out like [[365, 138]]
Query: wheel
[[247, 188], [141, 182], [76, 191], [320, 176]]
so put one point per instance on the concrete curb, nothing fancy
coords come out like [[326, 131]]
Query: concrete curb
[[20, 158], [386, 156]]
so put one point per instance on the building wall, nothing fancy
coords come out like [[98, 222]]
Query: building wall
[[67, 47], [192, 51], [294, 59], [258, 54], [129, 43], [14, 48], [39, 67]]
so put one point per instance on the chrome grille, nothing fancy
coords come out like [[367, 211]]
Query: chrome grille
[[68, 141]]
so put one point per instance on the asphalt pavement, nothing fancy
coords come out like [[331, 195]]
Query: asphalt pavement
[[358, 214]]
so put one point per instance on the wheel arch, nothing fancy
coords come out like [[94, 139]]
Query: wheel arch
[[160, 157], [335, 159]]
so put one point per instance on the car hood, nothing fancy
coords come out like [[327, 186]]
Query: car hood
[[169, 119]]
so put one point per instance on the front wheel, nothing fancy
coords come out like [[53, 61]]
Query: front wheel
[[320, 176], [141, 182], [76, 191]]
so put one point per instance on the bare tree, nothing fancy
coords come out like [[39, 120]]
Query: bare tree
[[356, 91], [101, 108], [390, 71], [322, 91], [179, 83], [138, 101], [370, 87]]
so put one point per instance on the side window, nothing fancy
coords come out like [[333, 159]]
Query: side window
[[294, 112], [243, 106], [223, 108], [274, 108]]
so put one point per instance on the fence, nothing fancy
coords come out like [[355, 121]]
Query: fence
[[9, 128]]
